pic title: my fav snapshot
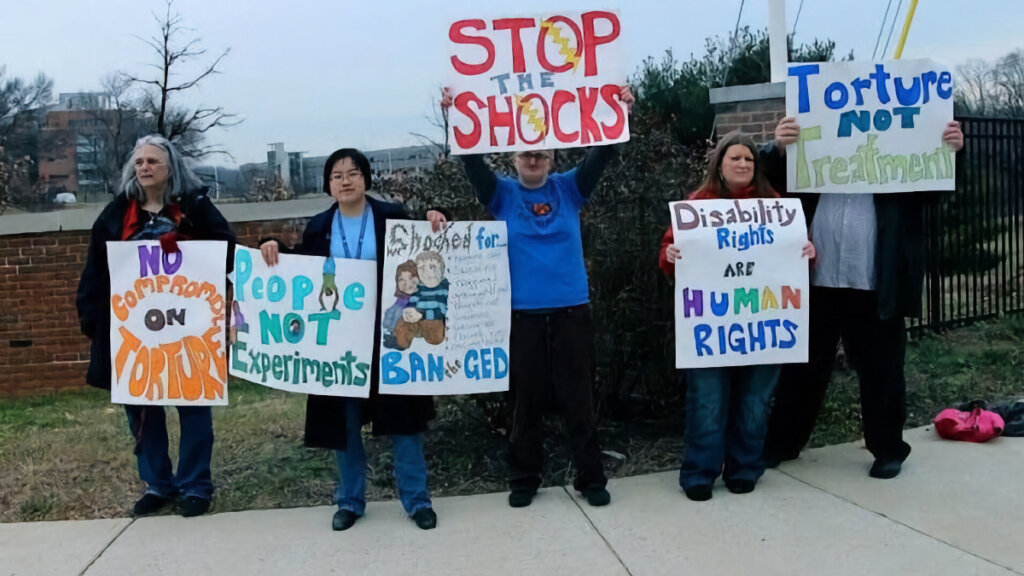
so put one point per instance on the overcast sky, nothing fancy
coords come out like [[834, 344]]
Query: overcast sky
[[321, 74]]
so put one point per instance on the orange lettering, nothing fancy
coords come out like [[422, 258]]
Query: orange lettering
[[120, 310], [191, 383], [139, 375], [162, 281], [173, 367], [129, 344], [219, 356], [157, 363], [178, 285]]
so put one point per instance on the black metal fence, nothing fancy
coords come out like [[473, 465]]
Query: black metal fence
[[974, 253]]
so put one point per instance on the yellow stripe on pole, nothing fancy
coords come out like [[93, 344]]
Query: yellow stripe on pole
[[906, 29]]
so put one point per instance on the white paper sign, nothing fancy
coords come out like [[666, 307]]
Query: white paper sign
[[870, 127], [167, 328], [741, 285], [305, 325], [446, 308], [540, 82]]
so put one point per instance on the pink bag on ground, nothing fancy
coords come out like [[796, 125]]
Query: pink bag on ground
[[975, 426]]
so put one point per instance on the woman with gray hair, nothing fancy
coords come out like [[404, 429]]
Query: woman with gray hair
[[159, 198]]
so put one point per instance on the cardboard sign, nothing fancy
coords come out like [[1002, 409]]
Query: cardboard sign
[[741, 285], [167, 324], [305, 325], [870, 128], [540, 82], [446, 309]]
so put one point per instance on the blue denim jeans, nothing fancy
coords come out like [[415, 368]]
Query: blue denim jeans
[[148, 425], [726, 421], [410, 466]]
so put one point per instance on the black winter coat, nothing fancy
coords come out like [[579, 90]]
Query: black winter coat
[[389, 414], [201, 221]]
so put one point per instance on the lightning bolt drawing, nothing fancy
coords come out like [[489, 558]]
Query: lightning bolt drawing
[[532, 116], [565, 49]]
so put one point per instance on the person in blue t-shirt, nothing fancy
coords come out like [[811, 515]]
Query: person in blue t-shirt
[[552, 340]]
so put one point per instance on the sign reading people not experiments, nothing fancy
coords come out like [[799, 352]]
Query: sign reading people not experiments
[[542, 82], [741, 287], [870, 128], [445, 309], [304, 325], [167, 319]]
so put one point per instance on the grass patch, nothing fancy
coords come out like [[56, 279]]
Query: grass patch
[[69, 455]]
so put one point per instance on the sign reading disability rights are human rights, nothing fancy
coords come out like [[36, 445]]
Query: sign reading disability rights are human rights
[[741, 290]]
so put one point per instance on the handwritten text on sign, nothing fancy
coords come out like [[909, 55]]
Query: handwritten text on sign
[[167, 324], [869, 128], [305, 325], [741, 290], [537, 83], [446, 309]]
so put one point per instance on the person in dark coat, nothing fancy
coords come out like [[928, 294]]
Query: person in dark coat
[[866, 280], [158, 198], [354, 227]]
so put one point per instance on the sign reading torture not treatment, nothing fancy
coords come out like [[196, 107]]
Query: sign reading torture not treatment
[[167, 313], [305, 325], [741, 292], [542, 82], [869, 128], [446, 309]]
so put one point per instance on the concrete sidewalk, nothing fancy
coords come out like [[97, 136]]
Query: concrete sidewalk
[[957, 508]]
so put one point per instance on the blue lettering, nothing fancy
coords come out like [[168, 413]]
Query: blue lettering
[[701, 333], [243, 270], [836, 95], [391, 371], [802, 72], [301, 287], [354, 295]]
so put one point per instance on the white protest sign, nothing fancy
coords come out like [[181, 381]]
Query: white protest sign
[[870, 127], [167, 329], [741, 285], [446, 306], [304, 325], [540, 82]]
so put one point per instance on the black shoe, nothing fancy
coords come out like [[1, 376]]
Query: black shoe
[[596, 495], [740, 486], [521, 497], [425, 518], [343, 519], [773, 460], [150, 504], [888, 467], [698, 493], [190, 506]]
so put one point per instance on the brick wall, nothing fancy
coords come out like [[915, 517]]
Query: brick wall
[[755, 117], [41, 347]]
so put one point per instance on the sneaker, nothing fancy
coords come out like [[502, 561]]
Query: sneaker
[[150, 504], [740, 486], [190, 506], [520, 498], [425, 518], [698, 493], [343, 519], [596, 495]]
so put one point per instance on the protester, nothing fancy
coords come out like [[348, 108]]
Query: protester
[[158, 198], [726, 407], [552, 352], [353, 227], [867, 278]]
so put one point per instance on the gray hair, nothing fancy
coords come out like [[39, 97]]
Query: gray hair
[[181, 179]]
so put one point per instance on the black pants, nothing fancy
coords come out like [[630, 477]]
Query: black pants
[[552, 366], [876, 349]]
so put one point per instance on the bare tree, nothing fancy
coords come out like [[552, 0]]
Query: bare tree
[[186, 127], [438, 119], [17, 96], [992, 88]]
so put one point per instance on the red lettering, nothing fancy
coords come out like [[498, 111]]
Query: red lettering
[[516, 25], [591, 41], [589, 127], [561, 98], [542, 56], [610, 94], [467, 140], [456, 35], [497, 119]]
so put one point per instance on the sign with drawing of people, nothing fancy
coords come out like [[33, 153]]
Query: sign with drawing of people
[[167, 324], [741, 287], [445, 309], [304, 325]]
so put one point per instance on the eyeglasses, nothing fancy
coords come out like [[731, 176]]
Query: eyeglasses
[[339, 177], [534, 156]]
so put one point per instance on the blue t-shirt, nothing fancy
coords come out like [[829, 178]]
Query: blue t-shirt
[[352, 227], [545, 249]]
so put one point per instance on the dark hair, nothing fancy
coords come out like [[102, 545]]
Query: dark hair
[[357, 158], [714, 185], [407, 266]]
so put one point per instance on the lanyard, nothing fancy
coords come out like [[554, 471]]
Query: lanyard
[[362, 234]]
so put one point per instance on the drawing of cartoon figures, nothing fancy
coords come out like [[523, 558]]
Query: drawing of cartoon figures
[[425, 315], [406, 281], [329, 288]]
